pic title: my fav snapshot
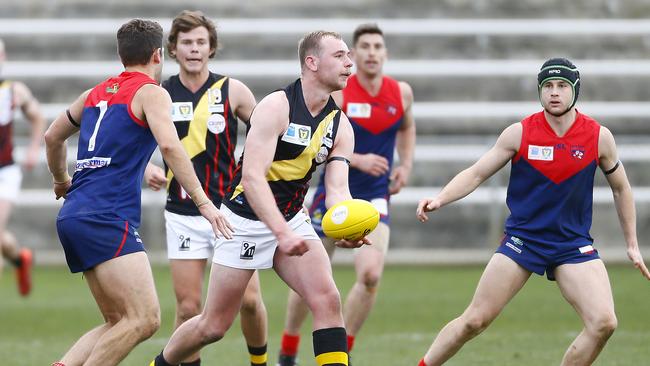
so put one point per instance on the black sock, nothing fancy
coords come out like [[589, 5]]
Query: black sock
[[258, 355], [196, 362], [160, 360], [17, 262], [331, 347]]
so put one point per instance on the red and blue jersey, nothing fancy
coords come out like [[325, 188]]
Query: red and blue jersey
[[375, 121], [7, 106], [113, 151], [550, 194]]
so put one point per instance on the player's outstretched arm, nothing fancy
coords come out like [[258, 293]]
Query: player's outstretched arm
[[154, 104], [64, 126], [268, 122], [405, 142], [623, 197], [469, 179], [32, 111]]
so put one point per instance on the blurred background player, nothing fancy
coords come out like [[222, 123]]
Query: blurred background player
[[206, 107], [379, 109], [292, 131], [14, 94], [554, 155], [120, 122]]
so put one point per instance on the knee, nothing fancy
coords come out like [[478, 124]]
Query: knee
[[252, 304], [604, 326], [370, 279], [147, 325], [474, 324], [187, 309], [210, 331], [325, 302]]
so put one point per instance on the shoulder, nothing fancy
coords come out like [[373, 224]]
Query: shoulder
[[150, 91], [406, 91], [511, 136], [22, 94], [274, 102]]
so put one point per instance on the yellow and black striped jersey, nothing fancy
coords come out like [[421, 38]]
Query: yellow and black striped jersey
[[307, 143], [207, 129]]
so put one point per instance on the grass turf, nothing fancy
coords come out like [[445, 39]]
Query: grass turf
[[414, 303]]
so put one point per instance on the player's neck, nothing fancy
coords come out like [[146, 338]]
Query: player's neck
[[370, 83], [193, 81], [315, 95], [561, 124], [144, 69]]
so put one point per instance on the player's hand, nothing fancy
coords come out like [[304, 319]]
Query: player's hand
[[426, 205], [217, 219], [31, 159], [61, 188], [292, 244], [373, 164], [635, 256], [154, 177], [351, 244], [398, 179]]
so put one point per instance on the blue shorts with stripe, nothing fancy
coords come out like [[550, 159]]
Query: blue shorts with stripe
[[543, 258], [91, 240]]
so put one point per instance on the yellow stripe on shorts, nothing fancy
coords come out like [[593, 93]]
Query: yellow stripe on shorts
[[261, 359], [332, 358]]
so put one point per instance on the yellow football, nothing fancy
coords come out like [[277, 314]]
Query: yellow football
[[350, 220]]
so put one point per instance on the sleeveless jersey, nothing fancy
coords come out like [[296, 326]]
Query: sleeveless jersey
[[6, 123], [550, 193], [113, 151], [207, 129], [375, 121], [306, 144]]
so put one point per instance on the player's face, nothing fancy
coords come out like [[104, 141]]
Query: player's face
[[556, 96], [193, 50], [334, 63], [369, 54]]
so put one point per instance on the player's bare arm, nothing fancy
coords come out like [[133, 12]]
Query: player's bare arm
[[242, 99], [405, 142], [336, 175], [469, 179], [32, 111], [623, 198], [373, 164], [268, 122], [55, 144], [153, 104]]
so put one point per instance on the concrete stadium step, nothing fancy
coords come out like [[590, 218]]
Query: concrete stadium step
[[336, 8], [473, 223]]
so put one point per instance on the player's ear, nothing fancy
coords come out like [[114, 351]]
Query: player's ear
[[311, 62], [158, 56]]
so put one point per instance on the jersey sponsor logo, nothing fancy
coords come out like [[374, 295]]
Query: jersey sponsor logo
[[182, 111], [359, 110], [587, 249], [517, 241], [544, 153], [297, 134], [577, 152], [184, 243], [92, 163], [247, 250], [513, 247], [217, 108], [214, 96], [113, 88], [322, 155], [216, 123]]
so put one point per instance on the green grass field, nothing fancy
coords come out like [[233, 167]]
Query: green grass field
[[414, 303]]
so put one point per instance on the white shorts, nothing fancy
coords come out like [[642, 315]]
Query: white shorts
[[188, 237], [253, 245], [10, 178]]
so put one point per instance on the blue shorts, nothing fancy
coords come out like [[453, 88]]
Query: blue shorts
[[539, 258], [91, 240], [317, 210]]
